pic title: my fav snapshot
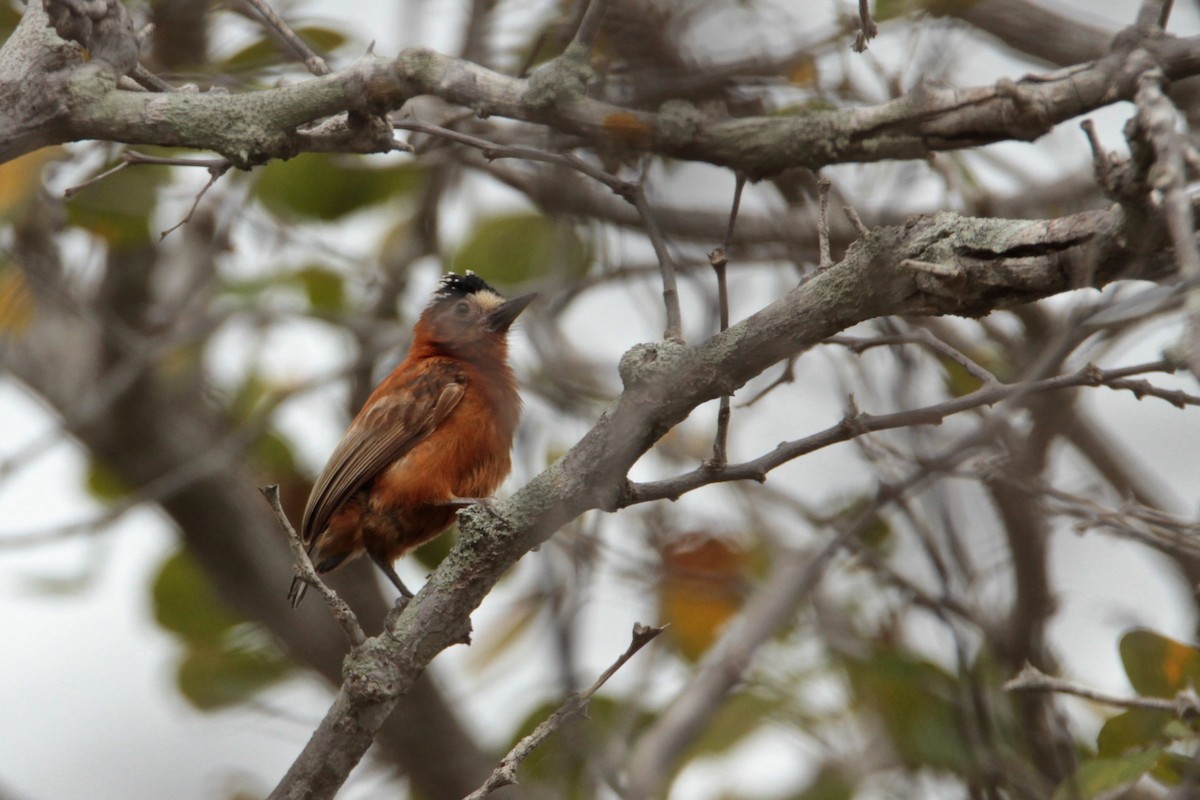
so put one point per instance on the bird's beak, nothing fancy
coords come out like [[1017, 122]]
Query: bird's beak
[[504, 314]]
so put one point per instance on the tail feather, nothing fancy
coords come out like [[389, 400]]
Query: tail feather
[[296, 593]]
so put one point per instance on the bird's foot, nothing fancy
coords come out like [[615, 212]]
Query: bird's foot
[[488, 504]]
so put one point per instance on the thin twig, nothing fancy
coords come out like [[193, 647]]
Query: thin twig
[[858, 424], [1185, 704], [868, 30], [862, 230], [787, 376], [589, 26], [1154, 13], [494, 150], [823, 187], [505, 773], [920, 337], [150, 81], [719, 259], [666, 264], [214, 174], [71, 191], [316, 65], [1157, 121], [341, 611]]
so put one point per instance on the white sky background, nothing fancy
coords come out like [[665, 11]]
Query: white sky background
[[88, 705]]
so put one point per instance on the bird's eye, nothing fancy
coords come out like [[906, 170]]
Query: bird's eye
[[462, 309]]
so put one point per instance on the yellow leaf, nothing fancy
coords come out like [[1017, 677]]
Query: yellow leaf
[[700, 589], [803, 72], [16, 302], [21, 178]]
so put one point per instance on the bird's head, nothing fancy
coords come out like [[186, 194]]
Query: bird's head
[[467, 316]]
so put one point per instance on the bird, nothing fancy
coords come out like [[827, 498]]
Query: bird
[[435, 436]]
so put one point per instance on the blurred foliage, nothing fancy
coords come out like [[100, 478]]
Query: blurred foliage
[[104, 484], [119, 208], [21, 180], [1158, 666], [514, 248], [315, 186], [918, 704], [266, 51], [224, 659], [701, 587], [1144, 741], [17, 308]]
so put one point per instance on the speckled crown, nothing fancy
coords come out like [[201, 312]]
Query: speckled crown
[[454, 286]]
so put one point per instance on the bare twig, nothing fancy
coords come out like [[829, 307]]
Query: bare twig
[[505, 773], [666, 263], [341, 611], [719, 259], [495, 150], [1154, 13], [858, 424], [589, 26], [788, 375], [131, 157], [1031, 679], [214, 174], [868, 30], [823, 187], [316, 65], [1157, 120], [924, 338], [862, 230]]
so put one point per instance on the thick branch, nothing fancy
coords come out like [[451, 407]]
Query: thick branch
[[82, 102]]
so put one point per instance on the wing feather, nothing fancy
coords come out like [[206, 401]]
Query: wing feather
[[385, 430]]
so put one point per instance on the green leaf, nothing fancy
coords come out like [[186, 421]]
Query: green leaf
[[185, 603], [215, 676], [915, 700], [104, 484], [831, 783], [1173, 768], [739, 717], [265, 52], [1159, 666], [1132, 730], [323, 187], [325, 288], [515, 248], [432, 552], [120, 207], [274, 455], [959, 382], [1104, 776]]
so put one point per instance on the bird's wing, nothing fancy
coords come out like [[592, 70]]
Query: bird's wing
[[386, 429]]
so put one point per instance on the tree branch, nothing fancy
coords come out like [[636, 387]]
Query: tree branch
[[252, 128]]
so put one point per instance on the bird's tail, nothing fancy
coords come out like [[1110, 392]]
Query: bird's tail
[[296, 593]]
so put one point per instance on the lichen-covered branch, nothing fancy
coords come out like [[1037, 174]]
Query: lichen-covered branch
[[84, 101]]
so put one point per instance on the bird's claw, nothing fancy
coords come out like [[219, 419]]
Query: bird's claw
[[488, 504]]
